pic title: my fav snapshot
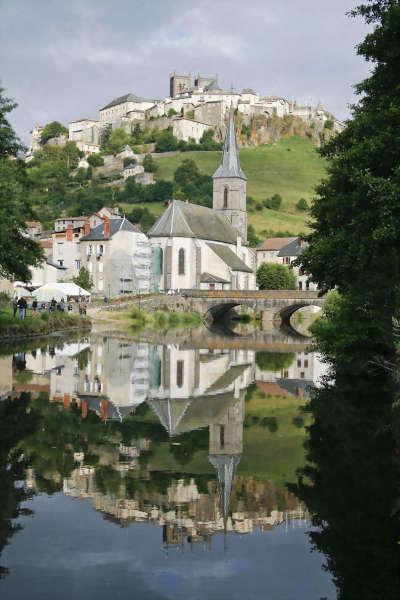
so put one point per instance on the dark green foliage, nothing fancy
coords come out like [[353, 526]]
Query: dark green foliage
[[114, 141], [355, 243], [52, 130], [190, 184], [143, 217], [271, 423], [166, 141], [329, 124], [159, 191], [274, 361], [274, 202], [84, 279], [172, 112], [128, 161], [252, 238], [207, 141], [302, 204], [17, 251], [95, 160], [149, 164], [272, 276], [10, 145]]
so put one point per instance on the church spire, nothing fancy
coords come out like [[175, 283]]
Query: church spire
[[230, 163]]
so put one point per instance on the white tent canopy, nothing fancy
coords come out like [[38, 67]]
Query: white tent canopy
[[58, 291]]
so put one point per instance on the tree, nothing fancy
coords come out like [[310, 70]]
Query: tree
[[271, 276], [115, 141], [17, 251], [252, 237], [149, 164], [187, 171], [166, 141], [84, 279], [172, 112], [302, 204], [274, 202], [52, 130], [329, 124], [274, 361], [95, 160], [355, 242]]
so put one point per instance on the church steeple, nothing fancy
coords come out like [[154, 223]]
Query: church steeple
[[230, 163], [229, 182]]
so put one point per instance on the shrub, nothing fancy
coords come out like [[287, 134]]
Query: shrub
[[52, 130], [274, 361], [272, 276], [150, 164], [95, 160], [329, 124], [274, 202], [302, 204]]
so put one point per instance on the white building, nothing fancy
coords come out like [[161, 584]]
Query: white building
[[188, 129], [204, 248], [285, 251], [117, 256], [122, 107]]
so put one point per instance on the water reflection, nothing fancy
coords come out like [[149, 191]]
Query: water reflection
[[197, 440]]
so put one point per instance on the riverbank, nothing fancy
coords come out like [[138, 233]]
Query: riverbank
[[40, 324]]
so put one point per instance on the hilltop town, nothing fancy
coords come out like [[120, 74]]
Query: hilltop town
[[194, 106]]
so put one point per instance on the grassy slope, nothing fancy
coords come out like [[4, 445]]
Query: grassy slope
[[290, 168]]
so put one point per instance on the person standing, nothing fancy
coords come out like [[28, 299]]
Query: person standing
[[15, 306], [22, 304]]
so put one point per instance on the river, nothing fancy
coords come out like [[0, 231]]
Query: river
[[157, 467]]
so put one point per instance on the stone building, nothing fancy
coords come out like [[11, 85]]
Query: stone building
[[188, 129], [122, 106], [199, 247], [284, 251], [117, 256]]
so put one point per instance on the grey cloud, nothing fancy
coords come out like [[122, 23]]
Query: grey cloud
[[64, 60]]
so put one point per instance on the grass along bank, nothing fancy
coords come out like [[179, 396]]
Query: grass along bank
[[162, 320], [39, 325]]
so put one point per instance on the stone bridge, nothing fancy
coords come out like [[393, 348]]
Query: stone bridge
[[275, 305]]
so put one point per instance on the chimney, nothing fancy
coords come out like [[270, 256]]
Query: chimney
[[69, 234], [106, 227], [87, 226]]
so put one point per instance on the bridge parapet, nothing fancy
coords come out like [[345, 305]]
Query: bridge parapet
[[252, 294]]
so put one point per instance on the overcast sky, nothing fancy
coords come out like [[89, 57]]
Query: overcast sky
[[63, 60]]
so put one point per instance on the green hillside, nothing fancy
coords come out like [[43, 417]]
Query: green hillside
[[291, 168]]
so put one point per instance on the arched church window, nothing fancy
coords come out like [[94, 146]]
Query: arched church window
[[225, 197], [161, 259], [179, 373], [181, 262]]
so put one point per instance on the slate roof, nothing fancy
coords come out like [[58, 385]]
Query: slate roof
[[121, 99], [212, 86], [97, 233], [183, 219], [209, 278], [275, 243], [230, 163], [294, 248], [230, 258]]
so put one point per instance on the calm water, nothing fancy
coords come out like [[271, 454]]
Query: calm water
[[157, 470]]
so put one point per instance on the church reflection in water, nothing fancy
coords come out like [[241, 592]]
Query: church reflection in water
[[167, 429]]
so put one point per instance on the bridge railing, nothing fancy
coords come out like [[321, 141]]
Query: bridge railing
[[252, 294]]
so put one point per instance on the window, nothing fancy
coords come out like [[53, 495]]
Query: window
[[221, 436], [298, 362], [61, 263], [89, 250], [60, 247], [307, 285], [78, 265], [302, 375], [300, 285], [101, 249], [161, 257], [225, 197], [305, 363], [181, 262], [100, 285], [285, 374], [179, 373], [101, 266]]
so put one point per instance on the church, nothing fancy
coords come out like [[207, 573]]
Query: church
[[195, 247]]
